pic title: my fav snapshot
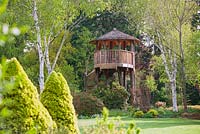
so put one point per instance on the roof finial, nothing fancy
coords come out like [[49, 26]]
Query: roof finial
[[114, 28]]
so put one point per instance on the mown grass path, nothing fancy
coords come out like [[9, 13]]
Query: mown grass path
[[157, 125]]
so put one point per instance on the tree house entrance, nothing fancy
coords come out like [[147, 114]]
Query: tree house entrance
[[115, 52]]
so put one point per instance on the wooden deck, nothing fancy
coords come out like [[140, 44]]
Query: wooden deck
[[111, 59]]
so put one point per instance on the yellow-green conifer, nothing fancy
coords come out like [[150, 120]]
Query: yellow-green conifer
[[26, 111], [57, 98]]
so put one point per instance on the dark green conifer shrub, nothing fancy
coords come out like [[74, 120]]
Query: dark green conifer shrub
[[113, 97], [57, 98], [26, 112], [86, 104]]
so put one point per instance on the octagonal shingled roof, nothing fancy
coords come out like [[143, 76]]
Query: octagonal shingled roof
[[115, 35]]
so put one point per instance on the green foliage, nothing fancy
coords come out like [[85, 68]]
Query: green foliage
[[86, 104], [114, 126], [5, 86], [161, 111], [138, 114], [82, 57], [152, 113], [150, 83], [26, 111], [113, 97], [57, 98], [3, 5]]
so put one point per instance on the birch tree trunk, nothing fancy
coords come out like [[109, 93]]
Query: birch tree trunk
[[171, 76], [64, 29], [174, 96], [44, 54], [39, 47], [171, 70]]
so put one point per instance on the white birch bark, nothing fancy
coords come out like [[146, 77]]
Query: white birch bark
[[39, 47], [46, 54], [171, 70], [44, 57]]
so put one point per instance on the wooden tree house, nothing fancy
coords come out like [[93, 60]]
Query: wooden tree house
[[115, 52]]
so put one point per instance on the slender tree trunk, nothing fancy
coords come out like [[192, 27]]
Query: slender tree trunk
[[174, 97], [39, 47], [172, 78], [183, 78], [171, 73], [46, 54], [58, 52]]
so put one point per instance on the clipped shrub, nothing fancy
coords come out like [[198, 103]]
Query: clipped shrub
[[138, 114], [113, 97], [57, 98], [86, 104], [152, 113], [26, 112]]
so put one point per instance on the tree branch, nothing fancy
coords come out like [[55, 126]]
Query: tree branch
[[59, 50]]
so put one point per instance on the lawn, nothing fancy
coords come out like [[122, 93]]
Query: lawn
[[157, 126]]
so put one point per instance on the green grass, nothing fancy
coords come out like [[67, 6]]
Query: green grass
[[157, 125]]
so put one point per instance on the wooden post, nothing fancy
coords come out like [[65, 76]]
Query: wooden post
[[120, 76], [132, 79], [97, 76], [124, 79], [133, 88]]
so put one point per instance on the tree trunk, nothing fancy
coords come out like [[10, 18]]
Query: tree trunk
[[133, 98], [174, 97], [171, 73], [41, 75], [183, 79], [39, 47], [46, 54], [58, 52]]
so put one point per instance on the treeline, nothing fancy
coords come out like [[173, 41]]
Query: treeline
[[55, 35]]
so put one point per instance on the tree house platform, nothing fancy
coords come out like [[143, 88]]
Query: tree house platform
[[112, 59]]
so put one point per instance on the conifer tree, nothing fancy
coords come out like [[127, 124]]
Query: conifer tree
[[26, 112], [57, 99]]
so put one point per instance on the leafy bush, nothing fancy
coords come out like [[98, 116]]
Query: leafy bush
[[105, 126], [160, 104], [86, 104], [57, 99], [113, 97], [152, 113], [26, 112], [161, 111], [138, 114]]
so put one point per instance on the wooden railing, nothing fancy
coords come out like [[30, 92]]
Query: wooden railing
[[114, 56]]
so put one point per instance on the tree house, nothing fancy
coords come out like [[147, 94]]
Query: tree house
[[115, 52]]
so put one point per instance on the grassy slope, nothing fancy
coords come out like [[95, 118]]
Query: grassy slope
[[158, 126]]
